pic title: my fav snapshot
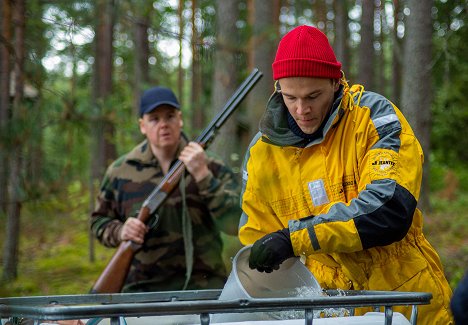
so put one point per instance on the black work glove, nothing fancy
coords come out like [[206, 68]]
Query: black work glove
[[270, 251]]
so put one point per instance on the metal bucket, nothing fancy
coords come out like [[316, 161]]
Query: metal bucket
[[292, 279]]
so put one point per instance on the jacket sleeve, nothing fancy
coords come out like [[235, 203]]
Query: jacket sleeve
[[258, 217], [220, 192], [389, 177], [105, 225]]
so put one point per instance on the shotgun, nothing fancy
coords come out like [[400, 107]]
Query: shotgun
[[114, 275]]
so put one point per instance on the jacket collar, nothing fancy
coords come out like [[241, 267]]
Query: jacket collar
[[274, 123]]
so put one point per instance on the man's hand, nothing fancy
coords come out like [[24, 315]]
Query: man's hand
[[134, 230], [194, 158], [270, 251]]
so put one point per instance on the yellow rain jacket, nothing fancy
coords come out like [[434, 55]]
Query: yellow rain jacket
[[348, 197]]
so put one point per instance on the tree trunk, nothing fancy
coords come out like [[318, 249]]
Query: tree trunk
[[226, 77], [104, 151], [379, 75], [197, 110], [396, 55], [366, 48], [319, 8], [264, 41], [417, 92], [5, 68], [340, 43], [141, 24], [103, 147], [180, 76], [15, 181]]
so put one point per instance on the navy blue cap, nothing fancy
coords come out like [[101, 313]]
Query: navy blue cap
[[155, 97]]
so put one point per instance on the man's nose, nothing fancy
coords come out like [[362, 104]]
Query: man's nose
[[302, 106], [165, 121]]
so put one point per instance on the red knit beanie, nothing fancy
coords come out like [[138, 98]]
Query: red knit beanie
[[305, 52]]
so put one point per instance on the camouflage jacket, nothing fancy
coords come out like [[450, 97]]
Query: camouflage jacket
[[160, 265]]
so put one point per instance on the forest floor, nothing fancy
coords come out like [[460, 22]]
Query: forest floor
[[54, 256]]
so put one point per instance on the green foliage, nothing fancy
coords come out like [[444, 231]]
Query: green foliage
[[450, 73], [446, 228], [54, 251], [438, 171]]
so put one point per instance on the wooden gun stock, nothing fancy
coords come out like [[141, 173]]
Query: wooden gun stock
[[114, 275]]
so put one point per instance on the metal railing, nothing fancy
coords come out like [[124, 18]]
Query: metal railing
[[116, 307]]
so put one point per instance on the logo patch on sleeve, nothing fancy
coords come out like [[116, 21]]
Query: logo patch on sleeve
[[383, 163]]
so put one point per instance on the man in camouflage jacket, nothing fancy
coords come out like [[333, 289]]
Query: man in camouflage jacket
[[183, 251]]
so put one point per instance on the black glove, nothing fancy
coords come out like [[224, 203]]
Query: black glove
[[270, 251]]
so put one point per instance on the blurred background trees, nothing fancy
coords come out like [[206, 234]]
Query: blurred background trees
[[71, 73]]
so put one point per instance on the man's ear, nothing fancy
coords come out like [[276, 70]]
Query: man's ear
[[181, 120], [142, 126], [336, 84]]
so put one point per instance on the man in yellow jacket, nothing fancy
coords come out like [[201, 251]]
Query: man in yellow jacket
[[334, 176]]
